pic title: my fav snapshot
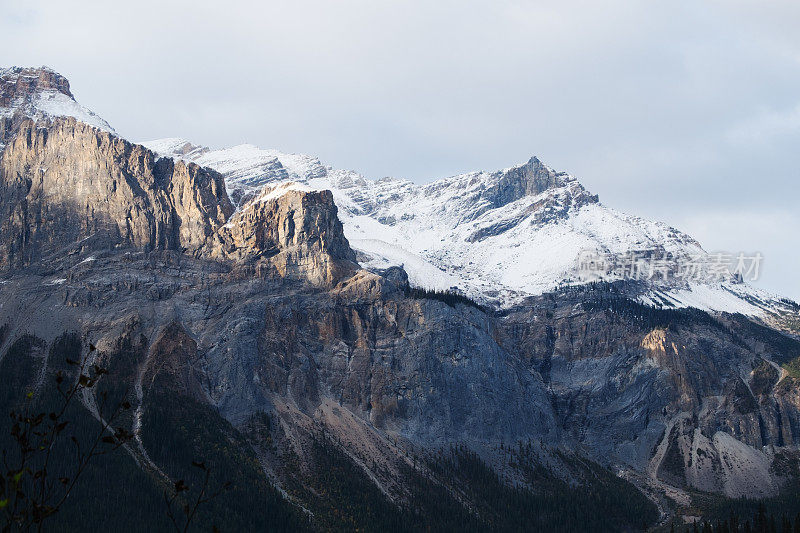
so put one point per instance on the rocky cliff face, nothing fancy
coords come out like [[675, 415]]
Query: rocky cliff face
[[20, 84], [291, 231], [693, 401], [68, 186], [69, 182]]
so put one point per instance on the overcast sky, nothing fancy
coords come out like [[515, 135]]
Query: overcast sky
[[682, 111]]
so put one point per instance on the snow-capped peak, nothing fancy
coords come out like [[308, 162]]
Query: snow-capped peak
[[496, 236], [39, 93]]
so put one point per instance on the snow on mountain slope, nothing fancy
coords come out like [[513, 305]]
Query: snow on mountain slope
[[41, 93], [496, 236]]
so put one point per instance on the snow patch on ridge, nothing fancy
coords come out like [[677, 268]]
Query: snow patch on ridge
[[421, 273], [42, 94], [271, 193], [56, 104]]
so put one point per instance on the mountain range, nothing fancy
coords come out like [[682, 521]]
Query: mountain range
[[499, 237], [379, 354]]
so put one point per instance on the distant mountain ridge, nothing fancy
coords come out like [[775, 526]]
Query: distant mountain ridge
[[498, 237]]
